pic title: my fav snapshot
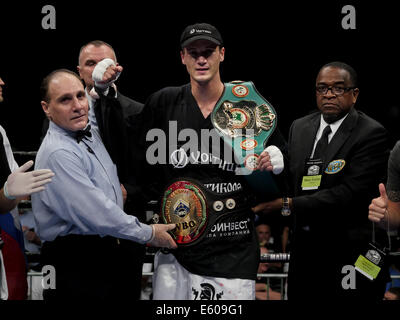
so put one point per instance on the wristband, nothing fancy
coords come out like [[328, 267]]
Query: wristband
[[276, 159], [98, 73], [153, 233], [6, 192], [285, 211]]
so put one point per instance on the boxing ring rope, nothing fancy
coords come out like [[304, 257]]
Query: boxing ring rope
[[282, 276], [275, 257]]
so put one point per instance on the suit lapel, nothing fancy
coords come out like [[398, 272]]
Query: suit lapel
[[341, 135], [301, 144], [308, 136]]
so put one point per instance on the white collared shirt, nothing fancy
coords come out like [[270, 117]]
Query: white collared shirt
[[85, 194], [92, 100], [92, 116], [334, 127]]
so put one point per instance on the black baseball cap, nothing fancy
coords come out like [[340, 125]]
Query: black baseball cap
[[200, 31]]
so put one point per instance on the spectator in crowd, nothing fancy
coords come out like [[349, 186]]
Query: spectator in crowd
[[392, 294], [264, 290]]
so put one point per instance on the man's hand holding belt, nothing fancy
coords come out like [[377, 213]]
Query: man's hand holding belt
[[161, 238], [271, 159]]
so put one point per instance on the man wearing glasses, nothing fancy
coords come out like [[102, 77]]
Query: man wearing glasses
[[337, 157]]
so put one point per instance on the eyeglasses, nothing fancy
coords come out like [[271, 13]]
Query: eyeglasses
[[337, 91]]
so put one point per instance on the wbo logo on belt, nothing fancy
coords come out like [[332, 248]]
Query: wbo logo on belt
[[184, 204], [246, 120]]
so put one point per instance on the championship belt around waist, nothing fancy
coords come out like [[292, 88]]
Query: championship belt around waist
[[246, 120], [194, 209]]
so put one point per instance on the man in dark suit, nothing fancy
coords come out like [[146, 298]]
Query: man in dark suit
[[337, 157], [114, 115]]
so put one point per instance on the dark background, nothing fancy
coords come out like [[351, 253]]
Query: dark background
[[278, 46]]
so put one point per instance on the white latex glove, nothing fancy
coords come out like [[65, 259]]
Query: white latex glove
[[103, 76], [271, 159], [21, 183]]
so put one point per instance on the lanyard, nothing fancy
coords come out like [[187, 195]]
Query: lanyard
[[387, 232]]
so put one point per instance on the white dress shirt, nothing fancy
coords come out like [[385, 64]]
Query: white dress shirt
[[334, 127], [92, 116]]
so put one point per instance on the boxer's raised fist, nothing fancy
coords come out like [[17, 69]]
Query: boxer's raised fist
[[105, 73]]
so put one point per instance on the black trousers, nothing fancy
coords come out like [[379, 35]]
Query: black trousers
[[315, 272], [90, 267]]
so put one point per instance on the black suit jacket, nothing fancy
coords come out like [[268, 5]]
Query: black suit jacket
[[118, 130], [331, 224]]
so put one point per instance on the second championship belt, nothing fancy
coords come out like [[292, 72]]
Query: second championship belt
[[246, 120]]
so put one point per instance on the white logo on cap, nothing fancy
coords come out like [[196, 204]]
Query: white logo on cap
[[200, 31], [203, 31]]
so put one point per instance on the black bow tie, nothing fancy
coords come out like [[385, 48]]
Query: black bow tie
[[81, 134]]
